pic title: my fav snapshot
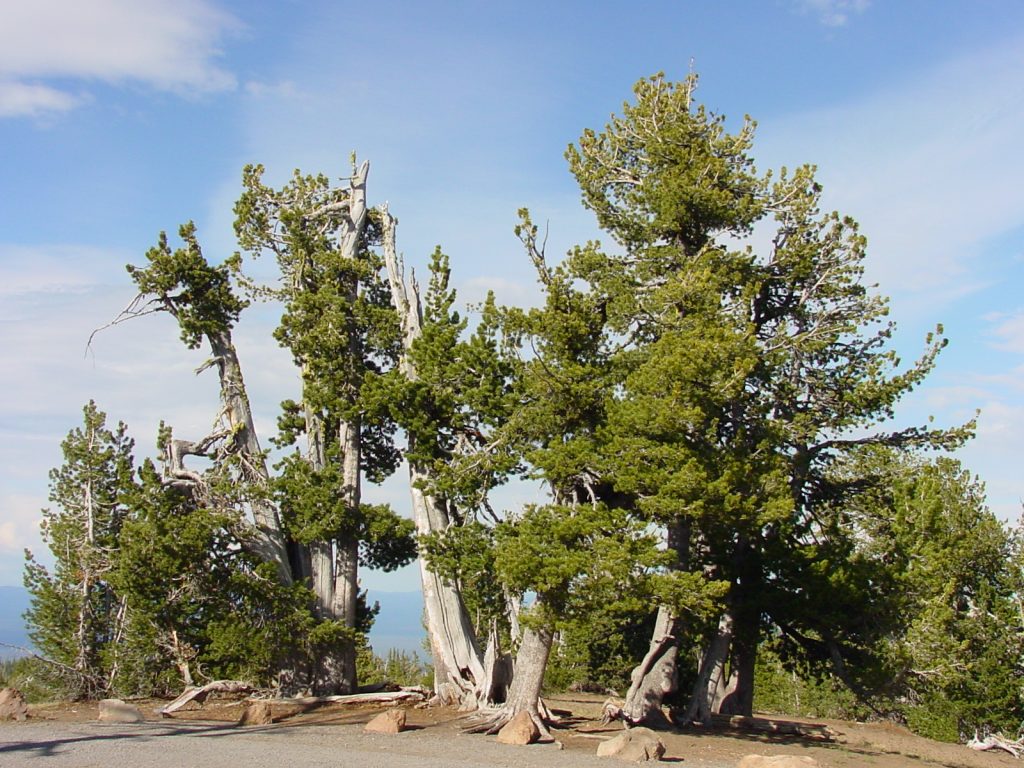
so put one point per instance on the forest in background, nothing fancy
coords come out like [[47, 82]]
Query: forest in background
[[726, 515]]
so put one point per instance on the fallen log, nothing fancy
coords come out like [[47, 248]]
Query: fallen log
[[778, 727], [199, 694], [387, 697]]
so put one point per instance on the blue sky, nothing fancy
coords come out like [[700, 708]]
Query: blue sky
[[122, 118]]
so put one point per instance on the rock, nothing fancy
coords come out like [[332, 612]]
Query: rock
[[392, 721], [777, 761], [257, 713], [12, 705], [117, 711], [519, 730], [637, 745]]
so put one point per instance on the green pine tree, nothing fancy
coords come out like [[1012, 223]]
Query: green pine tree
[[75, 618]]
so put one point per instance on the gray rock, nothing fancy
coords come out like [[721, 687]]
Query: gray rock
[[257, 713], [117, 711], [637, 745], [12, 704]]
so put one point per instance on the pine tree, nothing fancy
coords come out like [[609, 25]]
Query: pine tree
[[76, 618], [342, 332], [745, 370]]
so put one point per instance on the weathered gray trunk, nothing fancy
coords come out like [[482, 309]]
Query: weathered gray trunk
[[460, 675], [346, 558], [710, 688], [531, 661], [270, 541], [655, 677], [738, 696]]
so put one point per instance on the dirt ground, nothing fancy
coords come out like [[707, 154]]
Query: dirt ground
[[69, 735]]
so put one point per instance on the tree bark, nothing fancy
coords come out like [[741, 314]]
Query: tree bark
[[656, 675], [710, 687], [524, 694], [459, 673], [270, 542], [738, 698]]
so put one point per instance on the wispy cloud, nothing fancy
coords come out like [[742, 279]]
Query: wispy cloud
[[53, 268], [167, 46], [926, 166], [1007, 330], [833, 13]]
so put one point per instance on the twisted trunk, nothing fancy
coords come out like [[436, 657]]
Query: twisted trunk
[[460, 675], [710, 687], [656, 675], [524, 693], [269, 540]]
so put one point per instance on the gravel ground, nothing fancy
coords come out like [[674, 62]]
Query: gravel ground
[[176, 744]]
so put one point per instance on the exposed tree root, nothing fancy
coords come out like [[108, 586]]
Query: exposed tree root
[[614, 709], [490, 721]]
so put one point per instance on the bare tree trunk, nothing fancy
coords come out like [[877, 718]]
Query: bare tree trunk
[[710, 687], [738, 698], [459, 673], [524, 694], [271, 544], [346, 559], [655, 677]]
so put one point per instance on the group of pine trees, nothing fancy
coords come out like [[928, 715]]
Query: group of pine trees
[[703, 405]]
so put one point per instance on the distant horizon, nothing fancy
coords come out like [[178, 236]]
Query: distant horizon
[[398, 626]]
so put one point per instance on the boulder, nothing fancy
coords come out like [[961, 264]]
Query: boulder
[[637, 745], [391, 721], [12, 705], [519, 730], [777, 761], [257, 713], [117, 711]]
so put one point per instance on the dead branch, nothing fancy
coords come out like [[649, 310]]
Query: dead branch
[[995, 741], [199, 695]]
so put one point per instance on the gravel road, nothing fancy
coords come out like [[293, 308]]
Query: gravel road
[[211, 745]]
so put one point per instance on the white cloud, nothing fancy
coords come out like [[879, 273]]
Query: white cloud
[[167, 46], [19, 531], [833, 13], [52, 268], [283, 89], [1008, 331], [928, 168], [31, 99]]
